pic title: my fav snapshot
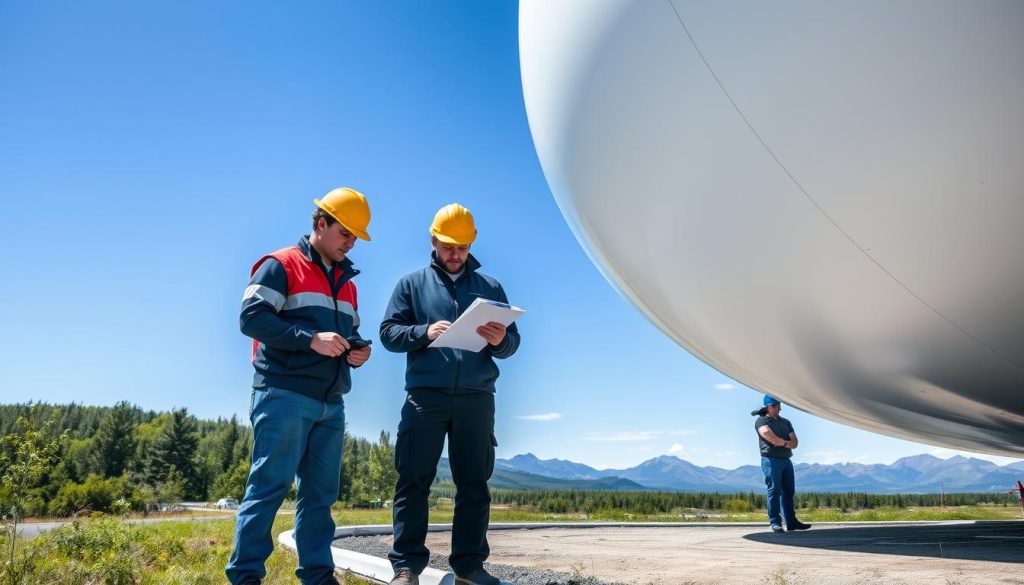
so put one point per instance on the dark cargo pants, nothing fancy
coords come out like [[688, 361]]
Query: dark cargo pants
[[467, 419]]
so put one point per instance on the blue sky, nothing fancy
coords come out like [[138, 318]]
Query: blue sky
[[151, 152]]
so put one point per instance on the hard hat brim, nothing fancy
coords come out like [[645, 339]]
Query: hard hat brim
[[463, 241], [357, 233], [361, 234]]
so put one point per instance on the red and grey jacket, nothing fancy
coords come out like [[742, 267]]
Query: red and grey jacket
[[289, 298]]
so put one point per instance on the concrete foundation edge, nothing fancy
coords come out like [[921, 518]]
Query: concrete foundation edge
[[379, 569]]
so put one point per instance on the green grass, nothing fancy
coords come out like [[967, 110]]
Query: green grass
[[443, 514], [106, 550], [905, 514]]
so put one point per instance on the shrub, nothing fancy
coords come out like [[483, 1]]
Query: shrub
[[103, 550], [738, 505], [232, 483], [97, 495]]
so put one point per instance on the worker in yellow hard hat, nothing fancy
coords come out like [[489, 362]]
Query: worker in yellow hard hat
[[301, 310], [450, 394], [349, 208]]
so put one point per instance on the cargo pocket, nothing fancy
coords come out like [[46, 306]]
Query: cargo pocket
[[401, 450], [490, 456]]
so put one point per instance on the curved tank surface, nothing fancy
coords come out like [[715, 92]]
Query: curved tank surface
[[822, 200]]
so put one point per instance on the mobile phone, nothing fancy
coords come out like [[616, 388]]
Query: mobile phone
[[358, 343]]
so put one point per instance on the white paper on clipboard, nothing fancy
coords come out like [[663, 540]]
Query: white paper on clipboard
[[462, 333]]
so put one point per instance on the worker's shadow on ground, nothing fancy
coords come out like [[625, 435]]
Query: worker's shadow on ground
[[979, 541]]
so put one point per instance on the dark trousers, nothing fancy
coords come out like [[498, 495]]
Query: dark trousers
[[781, 485], [467, 419]]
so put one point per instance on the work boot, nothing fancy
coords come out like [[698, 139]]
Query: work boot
[[796, 525], [477, 577], [777, 528], [405, 577], [251, 581]]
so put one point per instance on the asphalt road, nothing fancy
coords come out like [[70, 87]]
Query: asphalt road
[[31, 530]]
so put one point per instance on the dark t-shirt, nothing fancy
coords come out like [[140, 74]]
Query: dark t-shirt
[[780, 427]]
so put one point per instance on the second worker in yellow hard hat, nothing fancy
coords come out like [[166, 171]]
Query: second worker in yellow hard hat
[[450, 392]]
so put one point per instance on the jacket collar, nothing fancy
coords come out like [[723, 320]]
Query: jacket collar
[[312, 255], [472, 264]]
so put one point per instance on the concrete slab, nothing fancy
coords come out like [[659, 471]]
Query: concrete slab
[[917, 553]]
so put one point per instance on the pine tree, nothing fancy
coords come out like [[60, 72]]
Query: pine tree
[[114, 443], [227, 446], [354, 469], [382, 476], [175, 448]]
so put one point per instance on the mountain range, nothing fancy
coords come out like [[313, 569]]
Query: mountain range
[[916, 474]]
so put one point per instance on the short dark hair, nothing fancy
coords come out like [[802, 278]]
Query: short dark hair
[[318, 213]]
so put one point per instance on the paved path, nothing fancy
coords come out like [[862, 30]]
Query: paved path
[[33, 529]]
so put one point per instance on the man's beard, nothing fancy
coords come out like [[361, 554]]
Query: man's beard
[[457, 268]]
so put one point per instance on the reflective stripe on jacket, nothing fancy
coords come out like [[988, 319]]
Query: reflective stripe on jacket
[[289, 298]]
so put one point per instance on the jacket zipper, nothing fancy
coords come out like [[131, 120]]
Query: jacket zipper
[[450, 285], [458, 352], [332, 285]]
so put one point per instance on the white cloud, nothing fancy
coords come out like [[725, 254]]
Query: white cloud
[[723, 386], [680, 432], [547, 417], [676, 449]]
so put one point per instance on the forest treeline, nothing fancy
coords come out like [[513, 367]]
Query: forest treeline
[[126, 457], [123, 457], [652, 502]]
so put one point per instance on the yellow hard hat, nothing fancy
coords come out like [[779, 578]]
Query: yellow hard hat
[[453, 224], [349, 207]]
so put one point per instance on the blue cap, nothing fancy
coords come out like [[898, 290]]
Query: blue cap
[[770, 400]]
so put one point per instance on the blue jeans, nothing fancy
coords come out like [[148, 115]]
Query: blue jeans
[[781, 484], [467, 419], [300, 438]]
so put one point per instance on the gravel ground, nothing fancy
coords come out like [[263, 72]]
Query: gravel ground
[[379, 546], [965, 553]]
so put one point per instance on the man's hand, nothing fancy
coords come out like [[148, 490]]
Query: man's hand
[[329, 344], [493, 332], [358, 357], [435, 330]]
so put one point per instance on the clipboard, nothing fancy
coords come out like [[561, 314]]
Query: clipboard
[[462, 333]]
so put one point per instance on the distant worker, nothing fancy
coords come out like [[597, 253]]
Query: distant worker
[[300, 308], [450, 393], [777, 439]]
